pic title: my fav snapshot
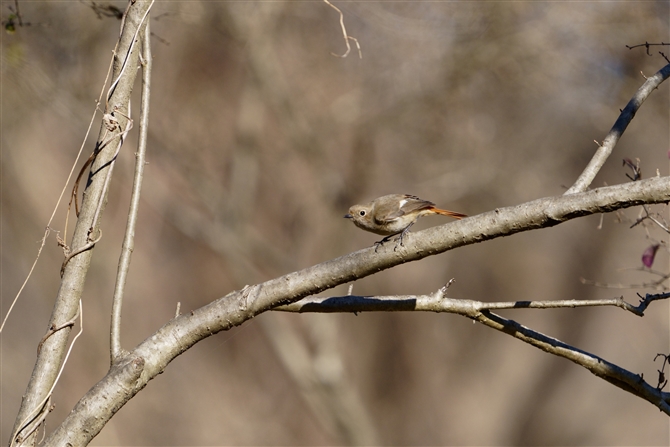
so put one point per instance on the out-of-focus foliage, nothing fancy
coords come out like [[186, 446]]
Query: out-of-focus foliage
[[259, 142]]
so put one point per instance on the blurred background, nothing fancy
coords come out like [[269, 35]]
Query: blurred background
[[260, 140]]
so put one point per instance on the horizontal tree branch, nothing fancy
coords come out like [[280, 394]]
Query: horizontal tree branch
[[149, 358], [439, 302], [436, 303], [481, 311]]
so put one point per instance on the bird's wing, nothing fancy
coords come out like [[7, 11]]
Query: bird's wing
[[408, 204], [413, 203]]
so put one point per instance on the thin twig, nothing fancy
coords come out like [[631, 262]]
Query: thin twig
[[649, 216], [347, 37], [606, 285], [626, 116], [129, 238], [647, 45], [649, 298], [18, 12], [439, 303]]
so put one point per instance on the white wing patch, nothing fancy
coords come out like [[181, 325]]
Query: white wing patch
[[402, 203]]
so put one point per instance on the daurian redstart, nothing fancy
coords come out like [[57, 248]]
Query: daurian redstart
[[394, 214]]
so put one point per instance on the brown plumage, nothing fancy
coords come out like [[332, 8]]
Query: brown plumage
[[394, 214]]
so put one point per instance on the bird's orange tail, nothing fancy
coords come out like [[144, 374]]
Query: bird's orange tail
[[453, 214]]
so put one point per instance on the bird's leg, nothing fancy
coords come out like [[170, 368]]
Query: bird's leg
[[402, 235], [386, 239]]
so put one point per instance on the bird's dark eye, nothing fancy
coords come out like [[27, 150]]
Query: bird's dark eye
[[362, 212]]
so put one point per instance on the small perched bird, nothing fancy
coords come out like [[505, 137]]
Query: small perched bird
[[394, 214]]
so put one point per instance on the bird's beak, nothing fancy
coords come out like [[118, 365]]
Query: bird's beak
[[348, 216]]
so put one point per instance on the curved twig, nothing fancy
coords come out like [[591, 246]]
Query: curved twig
[[347, 37]]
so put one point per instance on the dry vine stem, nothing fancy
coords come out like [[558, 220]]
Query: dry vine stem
[[35, 418], [48, 228]]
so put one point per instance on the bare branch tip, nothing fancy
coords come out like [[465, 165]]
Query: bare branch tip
[[442, 292]]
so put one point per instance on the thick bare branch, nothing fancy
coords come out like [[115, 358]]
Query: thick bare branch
[[154, 354]]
